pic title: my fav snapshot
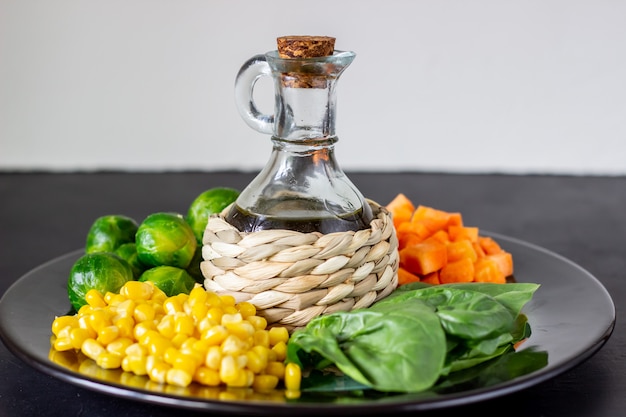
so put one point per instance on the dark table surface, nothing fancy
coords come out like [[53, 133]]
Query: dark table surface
[[43, 216]]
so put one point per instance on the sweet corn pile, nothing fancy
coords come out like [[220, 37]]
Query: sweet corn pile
[[200, 336]]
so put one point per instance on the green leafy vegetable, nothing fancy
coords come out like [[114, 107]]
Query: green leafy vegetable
[[409, 340]]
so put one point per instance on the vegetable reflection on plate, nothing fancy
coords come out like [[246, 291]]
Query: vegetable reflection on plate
[[77, 362]]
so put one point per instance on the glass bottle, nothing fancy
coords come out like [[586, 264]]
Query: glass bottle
[[302, 187]]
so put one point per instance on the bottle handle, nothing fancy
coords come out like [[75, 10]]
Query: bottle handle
[[253, 69]]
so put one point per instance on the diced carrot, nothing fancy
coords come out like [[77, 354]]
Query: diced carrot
[[405, 277], [436, 247], [504, 260], [487, 270], [480, 252], [423, 258], [461, 249], [432, 278], [433, 219], [455, 219], [401, 209], [457, 271], [439, 236], [489, 245], [463, 233]]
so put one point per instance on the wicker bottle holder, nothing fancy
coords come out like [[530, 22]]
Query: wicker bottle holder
[[292, 277]]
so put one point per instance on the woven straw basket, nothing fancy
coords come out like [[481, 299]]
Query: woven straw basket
[[292, 277]]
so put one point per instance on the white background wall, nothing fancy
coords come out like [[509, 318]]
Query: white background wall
[[462, 86]]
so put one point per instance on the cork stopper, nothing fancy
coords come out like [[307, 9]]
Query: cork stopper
[[290, 47], [305, 46]]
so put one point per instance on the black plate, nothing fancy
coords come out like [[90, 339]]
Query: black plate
[[571, 317]]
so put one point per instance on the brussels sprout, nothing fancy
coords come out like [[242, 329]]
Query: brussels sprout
[[128, 252], [211, 201], [169, 279], [103, 271], [165, 239], [107, 233]]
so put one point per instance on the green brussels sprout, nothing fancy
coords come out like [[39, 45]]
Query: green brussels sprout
[[169, 279], [107, 233], [165, 239], [128, 252], [209, 202], [103, 271]]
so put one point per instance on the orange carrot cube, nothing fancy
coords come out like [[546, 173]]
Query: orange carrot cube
[[457, 271], [423, 258]]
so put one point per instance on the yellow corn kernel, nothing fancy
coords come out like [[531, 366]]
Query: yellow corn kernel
[[293, 377], [184, 324], [178, 377], [241, 329], [259, 323], [246, 309], [275, 368], [179, 339], [263, 352], [233, 345], [126, 326], [92, 349], [158, 295], [278, 334], [215, 335], [158, 345], [213, 300], [109, 360], [229, 372], [199, 311], [201, 347], [85, 310], [136, 349], [172, 305], [119, 346], [78, 336], [98, 319], [264, 382], [243, 378], [213, 358], [262, 338], [108, 334], [230, 309], [207, 376], [126, 308], [157, 371], [63, 343], [192, 353], [141, 328], [227, 300], [280, 349], [166, 326], [215, 315], [94, 298], [144, 312], [186, 362], [137, 290], [197, 295], [255, 362], [137, 364], [63, 321]]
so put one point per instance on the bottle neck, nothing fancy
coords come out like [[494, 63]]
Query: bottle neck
[[304, 114]]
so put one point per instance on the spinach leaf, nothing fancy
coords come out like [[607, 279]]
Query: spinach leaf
[[512, 295], [391, 348], [464, 314]]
